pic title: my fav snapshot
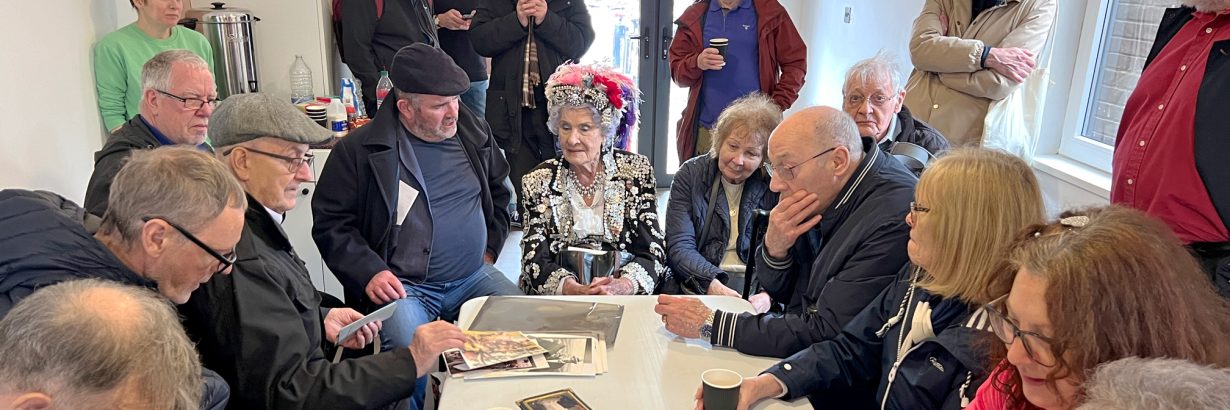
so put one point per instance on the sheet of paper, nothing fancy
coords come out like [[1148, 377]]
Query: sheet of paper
[[379, 315], [406, 195]]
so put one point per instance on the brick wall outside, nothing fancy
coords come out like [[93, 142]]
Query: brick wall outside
[[1132, 27]]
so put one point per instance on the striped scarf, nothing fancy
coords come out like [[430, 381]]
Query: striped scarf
[[530, 76]]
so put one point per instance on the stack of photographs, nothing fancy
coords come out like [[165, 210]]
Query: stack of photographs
[[564, 354]]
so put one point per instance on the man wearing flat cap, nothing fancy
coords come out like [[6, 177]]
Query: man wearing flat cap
[[410, 209], [261, 327]]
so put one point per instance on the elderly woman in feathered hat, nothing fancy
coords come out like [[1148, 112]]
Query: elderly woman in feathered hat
[[595, 195]]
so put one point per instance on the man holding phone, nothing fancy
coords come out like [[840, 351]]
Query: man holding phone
[[453, 19]]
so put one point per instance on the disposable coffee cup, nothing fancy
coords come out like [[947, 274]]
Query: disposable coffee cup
[[721, 389], [720, 44]]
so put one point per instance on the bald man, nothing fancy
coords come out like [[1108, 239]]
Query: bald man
[[96, 344], [835, 240]]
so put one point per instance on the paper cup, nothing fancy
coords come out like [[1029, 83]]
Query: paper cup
[[721, 389], [720, 44]]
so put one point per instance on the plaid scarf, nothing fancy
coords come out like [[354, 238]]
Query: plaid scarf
[[530, 76]]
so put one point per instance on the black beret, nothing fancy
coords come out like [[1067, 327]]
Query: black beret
[[422, 69]]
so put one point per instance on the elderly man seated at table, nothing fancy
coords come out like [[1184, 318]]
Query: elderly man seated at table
[[595, 195], [873, 95], [261, 327], [708, 227], [96, 344], [833, 238], [178, 97]]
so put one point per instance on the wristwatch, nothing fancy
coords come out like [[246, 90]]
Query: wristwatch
[[706, 330], [436, 19]]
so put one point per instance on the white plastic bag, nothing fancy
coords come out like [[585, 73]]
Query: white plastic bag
[[1014, 123]]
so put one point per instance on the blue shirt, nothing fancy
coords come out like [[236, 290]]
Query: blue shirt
[[453, 193], [741, 75], [162, 138]]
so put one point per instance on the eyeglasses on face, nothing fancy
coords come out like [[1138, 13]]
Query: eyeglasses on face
[[292, 163], [191, 103], [877, 100], [915, 208], [787, 172], [1037, 346], [224, 260]]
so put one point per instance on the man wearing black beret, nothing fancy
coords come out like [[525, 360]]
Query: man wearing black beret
[[410, 209]]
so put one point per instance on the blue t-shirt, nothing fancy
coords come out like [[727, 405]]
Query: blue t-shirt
[[741, 75], [452, 191]]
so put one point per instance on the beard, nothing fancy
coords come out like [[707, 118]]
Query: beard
[[1208, 5]]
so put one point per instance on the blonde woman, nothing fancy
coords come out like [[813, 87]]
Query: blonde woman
[[915, 344]]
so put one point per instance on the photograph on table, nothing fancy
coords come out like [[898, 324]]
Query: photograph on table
[[484, 349], [564, 399]]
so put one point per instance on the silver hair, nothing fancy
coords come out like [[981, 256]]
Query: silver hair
[[181, 184], [1156, 384], [881, 66], [1207, 5], [754, 114], [840, 130], [81, 340], [156, 73], [608, 130]]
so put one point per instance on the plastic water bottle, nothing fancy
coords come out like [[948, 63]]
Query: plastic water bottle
[[336, 113], [382, 88], [300, 82]]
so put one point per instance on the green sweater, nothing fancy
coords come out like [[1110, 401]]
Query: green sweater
[[118, 58]]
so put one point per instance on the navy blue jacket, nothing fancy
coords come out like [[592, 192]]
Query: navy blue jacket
[[942, 371], [356, 200], [834, 270], [698, 254], [47, 239]]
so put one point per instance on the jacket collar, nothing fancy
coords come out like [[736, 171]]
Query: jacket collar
[[258, 220], [871, 158]]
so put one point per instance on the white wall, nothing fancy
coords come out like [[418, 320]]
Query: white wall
[[50, 127]]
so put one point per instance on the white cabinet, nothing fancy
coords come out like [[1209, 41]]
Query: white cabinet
[[298, 227]]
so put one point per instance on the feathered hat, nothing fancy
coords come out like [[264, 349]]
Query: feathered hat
[[611, 93]]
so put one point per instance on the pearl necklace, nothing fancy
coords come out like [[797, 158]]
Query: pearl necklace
[[584, 190]]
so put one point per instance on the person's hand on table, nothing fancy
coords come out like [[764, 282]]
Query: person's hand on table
[[710, 59], [339, 318], [682, 316], [612, 286], [788, 220], [572, 287], [752, 391], [716, 288], [761, 302], [430, 340], [385, 288], [1012, 62]]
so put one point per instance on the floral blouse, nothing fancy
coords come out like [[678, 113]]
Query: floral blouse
[[629, 204]]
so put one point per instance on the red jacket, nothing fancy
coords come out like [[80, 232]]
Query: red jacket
[[783, 61]]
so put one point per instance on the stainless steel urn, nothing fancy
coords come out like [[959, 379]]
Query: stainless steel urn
[[229, 31]]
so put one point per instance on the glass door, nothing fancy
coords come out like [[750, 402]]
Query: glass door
[[633, 36]]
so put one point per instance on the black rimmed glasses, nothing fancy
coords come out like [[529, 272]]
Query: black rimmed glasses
[[916, 208], [1008, 332], [787, 173], [292, 163], [225, 260], [191, 103]]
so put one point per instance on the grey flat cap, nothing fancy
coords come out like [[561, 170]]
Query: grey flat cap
[[245, 117]]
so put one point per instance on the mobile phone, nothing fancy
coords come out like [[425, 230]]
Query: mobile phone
[[468, 16]]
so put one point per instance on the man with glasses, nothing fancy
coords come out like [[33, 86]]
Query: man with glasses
[[873, 96], [175, 218], [834, 241], [178, 98], [261, 327]]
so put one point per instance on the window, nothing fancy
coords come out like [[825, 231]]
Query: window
[[1116, 37]]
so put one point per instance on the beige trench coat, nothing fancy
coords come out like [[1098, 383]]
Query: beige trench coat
[[949, 89]]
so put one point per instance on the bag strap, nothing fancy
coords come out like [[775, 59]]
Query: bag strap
[[711, 207]]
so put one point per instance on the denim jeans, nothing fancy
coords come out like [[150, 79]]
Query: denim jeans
[[476, 98], [424, 302]]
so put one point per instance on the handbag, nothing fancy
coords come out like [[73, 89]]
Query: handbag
[[1014, 124]]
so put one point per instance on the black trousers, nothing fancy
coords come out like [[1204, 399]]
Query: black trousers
[[537, 144]]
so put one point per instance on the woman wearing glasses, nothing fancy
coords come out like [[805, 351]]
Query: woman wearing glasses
[[914, 347], [1093, 287]]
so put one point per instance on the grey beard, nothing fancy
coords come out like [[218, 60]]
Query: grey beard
[[1208, 5]]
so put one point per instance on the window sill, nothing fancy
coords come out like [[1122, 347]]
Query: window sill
[[1093, 180]]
